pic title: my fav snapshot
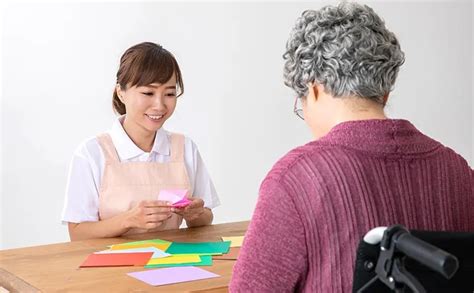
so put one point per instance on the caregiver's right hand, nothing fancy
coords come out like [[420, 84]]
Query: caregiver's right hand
[[148, 214]]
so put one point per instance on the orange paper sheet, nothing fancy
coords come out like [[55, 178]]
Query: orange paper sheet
[[117, 259]]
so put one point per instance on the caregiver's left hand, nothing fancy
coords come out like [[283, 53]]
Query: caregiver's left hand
[[192, 211]]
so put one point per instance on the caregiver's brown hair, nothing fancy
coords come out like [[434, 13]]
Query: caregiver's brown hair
[[144, 64]]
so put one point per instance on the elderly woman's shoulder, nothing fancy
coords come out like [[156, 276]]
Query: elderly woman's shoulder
[[309, 153]]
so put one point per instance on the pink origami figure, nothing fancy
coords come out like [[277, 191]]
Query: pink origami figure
[[177, 197]]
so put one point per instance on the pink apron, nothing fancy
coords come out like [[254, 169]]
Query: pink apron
[[125, 184]]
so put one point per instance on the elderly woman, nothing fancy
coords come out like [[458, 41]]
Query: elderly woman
[[362, 170]]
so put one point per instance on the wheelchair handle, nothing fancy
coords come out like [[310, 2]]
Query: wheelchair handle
[[436, 259]]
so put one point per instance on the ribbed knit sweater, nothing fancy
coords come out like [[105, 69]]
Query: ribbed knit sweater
[[319, 200]]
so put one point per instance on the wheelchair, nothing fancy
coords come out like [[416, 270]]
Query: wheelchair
[[394, 259]]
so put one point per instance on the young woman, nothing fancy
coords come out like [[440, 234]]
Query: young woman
[[115, 178]]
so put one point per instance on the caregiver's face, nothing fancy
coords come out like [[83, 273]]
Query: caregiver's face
[[151, 105]]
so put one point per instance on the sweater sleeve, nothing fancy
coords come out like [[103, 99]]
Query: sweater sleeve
[[273, 255]]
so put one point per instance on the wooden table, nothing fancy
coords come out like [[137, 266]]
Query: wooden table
[[55, 267]]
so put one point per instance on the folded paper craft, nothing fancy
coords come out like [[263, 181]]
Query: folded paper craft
[[177, 197]]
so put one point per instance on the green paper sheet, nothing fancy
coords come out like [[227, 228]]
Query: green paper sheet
[[199, 247], [206, 260]]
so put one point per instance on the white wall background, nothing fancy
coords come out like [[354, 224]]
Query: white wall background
[[59, 63], [2, 5]]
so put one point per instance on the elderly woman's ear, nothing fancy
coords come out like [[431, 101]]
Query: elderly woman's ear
[[314, 90]]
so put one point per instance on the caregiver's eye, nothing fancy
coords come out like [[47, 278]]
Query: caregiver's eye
[[148, 93]]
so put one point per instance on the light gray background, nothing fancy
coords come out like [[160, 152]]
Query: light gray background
[[59, 63]]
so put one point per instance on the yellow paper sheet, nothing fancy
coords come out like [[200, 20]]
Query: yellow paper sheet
[[235, 241], [175, 259], [163, 246]]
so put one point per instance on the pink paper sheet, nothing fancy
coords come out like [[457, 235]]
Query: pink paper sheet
[[172, 275], [177, 197]]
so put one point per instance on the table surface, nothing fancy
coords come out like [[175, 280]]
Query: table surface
[[55, 267]]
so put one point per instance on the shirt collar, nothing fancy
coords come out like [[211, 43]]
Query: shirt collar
[[127, 149], [388, 136], [162, 142]]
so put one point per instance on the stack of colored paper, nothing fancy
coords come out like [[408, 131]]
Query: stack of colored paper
[[175, 260], [157, 253]]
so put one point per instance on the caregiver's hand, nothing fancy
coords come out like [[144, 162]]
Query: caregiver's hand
[[193, 211], [148, 214]]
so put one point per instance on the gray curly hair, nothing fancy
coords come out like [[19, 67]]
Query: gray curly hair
[[345, 48]]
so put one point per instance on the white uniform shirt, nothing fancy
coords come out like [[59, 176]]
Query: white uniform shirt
[[88, 162]]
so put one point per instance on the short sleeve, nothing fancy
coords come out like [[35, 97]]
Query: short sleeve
[[202, 185], [82, 198]]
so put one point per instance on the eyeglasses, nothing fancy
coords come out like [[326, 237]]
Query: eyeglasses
[[298, 107]]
